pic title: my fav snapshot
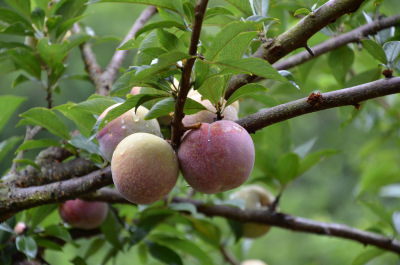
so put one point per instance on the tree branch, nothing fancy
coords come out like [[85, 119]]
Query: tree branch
[[297, 36], [119, 56], [316, 102], [177, 126], [282, 220], [336, 42]]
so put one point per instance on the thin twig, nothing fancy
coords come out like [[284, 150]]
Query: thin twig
[[228, 256], [177, 125]]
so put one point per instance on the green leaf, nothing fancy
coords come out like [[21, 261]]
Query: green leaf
[[245, 90], [160, 24], [231, 41], [80, 141], [169, 41], [40, 213], [111, 228], [45, 118], [7, 145], [129, 45], [287, 168], [251, 66], [20, 79], [340, 61], [32, 144], [48, 244], [163, 254], [26, 245], [5, 227], [76, 39], [379, 210], [243, 6], [288, 75], [206, 229], [259, 7], [302, 11], [78, 261], [173, 5], [59, 232], [367, 255], [392, 51], [312, 159], [94, 247], [27, 61], [375, 50], [83, 120], [10, 16], [212, 88], [51, 53], [94, 106], [22, 6], [184, 245], [185, 207], [216, 11], [28, 162], [142, 253], [167, 106], [38, 18]]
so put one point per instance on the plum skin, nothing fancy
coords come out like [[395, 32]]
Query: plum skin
[[144, 168], [216, 157], [82, 214], [256, 198], [128, 123]]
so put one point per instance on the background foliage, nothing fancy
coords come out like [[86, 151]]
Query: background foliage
[[355, 181]]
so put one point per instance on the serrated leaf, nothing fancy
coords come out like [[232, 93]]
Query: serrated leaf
[[10, 16], [59, 232], [216, 11], [111, 228], [26, 245], [94, 106], [302, 11], [45, 118], [252, 66], [130, 44], [20, 79], [26, 60], [169, 41], [184, 245], [80, 141], [367, 255], [7, 145], [314, 158], [392, 51], [22, 6], [160, 24], [51, 53], [375, 50], [287, 168], [32, 144], [213, 88], [231, 41], [340, 61], [83, 120], [245, 90], [243, 6], [379, 210], [164, 254]]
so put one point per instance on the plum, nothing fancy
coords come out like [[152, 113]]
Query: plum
[[216, 157], [256, 198], [144, 168], [126, 124], [82, 214]]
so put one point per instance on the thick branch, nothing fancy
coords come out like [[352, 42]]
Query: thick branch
[[336, 42], [297, 36], [177, 126], [316, 102], [282, 220], [119, 56]]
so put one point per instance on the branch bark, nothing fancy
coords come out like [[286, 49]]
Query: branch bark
[[336, 42], [297, 36], [103, 80], [177, 126], [344, 97]]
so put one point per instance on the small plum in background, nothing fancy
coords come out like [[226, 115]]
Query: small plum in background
[[144, 168], [126, 124], [256, 198], [82, 214], [208, 116], [253, 262], [20, 228], [216, 157]]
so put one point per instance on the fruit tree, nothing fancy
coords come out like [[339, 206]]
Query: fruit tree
[[199, 132]]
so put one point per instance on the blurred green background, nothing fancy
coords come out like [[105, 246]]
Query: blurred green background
[[367, 141]]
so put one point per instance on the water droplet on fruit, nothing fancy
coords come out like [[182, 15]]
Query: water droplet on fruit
[[122, 152], [136, 119], [237, 128], [105, 121]]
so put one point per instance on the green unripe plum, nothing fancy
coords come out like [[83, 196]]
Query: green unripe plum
[[256, 198], [126, 124], [216, 157], [82, 214], [208, 116], [144, 168]]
